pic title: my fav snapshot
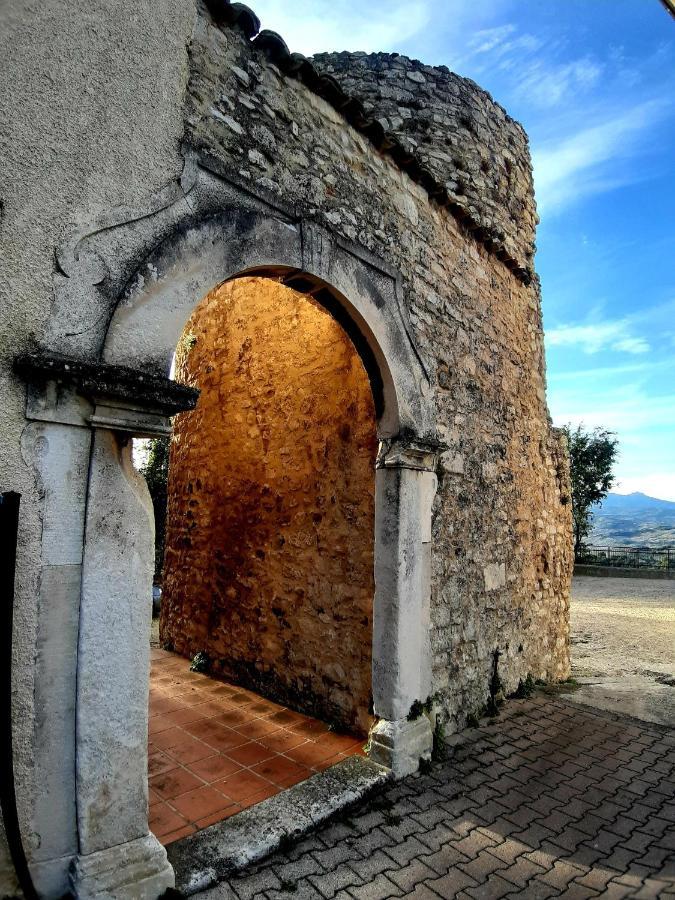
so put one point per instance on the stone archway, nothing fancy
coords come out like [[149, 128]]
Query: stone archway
[[119, 388]]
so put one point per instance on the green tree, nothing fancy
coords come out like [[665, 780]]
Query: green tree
[[592, 457], [156, 472]]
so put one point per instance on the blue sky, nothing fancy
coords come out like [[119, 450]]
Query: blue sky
[[593, 82]]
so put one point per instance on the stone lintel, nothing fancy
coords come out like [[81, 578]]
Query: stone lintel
[[119, 386], [399, 745], [404, 452], [137, 870]]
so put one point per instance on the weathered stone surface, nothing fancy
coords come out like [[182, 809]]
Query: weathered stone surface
[[96, 197], [502, 499], [203, 858], [269, 555], [457, 132]]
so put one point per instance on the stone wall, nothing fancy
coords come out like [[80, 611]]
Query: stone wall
[[457, 132], [269, 552], [500, 551], [91, 121]]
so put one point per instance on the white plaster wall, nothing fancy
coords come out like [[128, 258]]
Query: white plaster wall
[[90, 105]]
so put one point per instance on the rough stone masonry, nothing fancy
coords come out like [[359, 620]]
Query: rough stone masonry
[[149, 154]]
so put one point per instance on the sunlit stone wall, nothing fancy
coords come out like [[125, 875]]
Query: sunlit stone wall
[[269, 559]]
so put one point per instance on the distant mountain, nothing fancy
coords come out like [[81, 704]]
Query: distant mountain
[[633, 520]]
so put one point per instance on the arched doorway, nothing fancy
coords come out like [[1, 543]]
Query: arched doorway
[[113, 652], [268, 578]]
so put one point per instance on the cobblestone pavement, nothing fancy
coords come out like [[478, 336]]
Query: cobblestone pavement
[[548, 800]]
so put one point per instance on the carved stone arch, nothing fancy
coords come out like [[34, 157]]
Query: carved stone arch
[[361, 293], [124, 293]]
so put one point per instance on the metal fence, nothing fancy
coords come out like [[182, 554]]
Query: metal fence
[[628, 557]]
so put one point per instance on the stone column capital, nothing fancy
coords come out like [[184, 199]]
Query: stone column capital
[[90, 393], [409, 452]]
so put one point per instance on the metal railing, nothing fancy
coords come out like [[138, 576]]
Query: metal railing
[[628, 557]]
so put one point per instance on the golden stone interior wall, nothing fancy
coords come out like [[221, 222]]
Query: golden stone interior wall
[[269, 551]]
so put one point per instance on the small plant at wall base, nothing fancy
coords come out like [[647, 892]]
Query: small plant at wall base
[[592, 457], [156, 472], [200, 662]]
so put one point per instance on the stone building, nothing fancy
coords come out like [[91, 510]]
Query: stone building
[[156, 160]]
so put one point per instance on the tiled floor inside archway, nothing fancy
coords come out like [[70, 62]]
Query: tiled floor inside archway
[[215, 749]]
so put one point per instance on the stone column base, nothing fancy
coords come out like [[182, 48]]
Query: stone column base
[[138, 870], [399, 745]]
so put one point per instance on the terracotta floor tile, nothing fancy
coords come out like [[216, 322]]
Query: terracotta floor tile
[[168, 738], [214, 768], [295, 779], [327, 763], [225, 739], [249, 754], [208, 731], [281, 741], [203, 728], [220, 690], [312, 728], [159, 762], [287, 718], [214, 707], [265, 708], [157, 724], [162, 819], [189, 751], [278, 768], [218, 816], [241, 785], [177, 835], [241, 699], [174, 783], [269, 791], [200, 803], [235, 717], [257, 728], [340, 743], [310, 753], [192, 697], [185, 715]]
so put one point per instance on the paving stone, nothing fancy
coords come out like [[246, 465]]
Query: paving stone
[[401, 854], [372, 866], [521, 872], [561, 874], [473, 843], [412, 874], [482, 866], [451, 884], [495, 888], [421, 892], [536, 890], [437, 836], [331, 882], [381, 888], [430, 837], [247, 888]]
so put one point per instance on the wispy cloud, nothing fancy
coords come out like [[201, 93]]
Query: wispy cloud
[[587, 162], [344, 25], [592, 337]]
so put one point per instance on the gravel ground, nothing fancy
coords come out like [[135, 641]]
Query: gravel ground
[[623, 645]]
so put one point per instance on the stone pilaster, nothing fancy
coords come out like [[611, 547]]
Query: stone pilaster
[[405, 489]]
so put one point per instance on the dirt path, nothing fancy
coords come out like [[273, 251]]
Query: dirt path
[[623, 645]]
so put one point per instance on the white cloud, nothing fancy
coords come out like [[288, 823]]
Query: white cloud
[[545, 85], [593, 337], [569, 169], [654, 484], [342, 25]]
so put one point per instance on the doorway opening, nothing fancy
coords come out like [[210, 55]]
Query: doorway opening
[[261, 671]]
